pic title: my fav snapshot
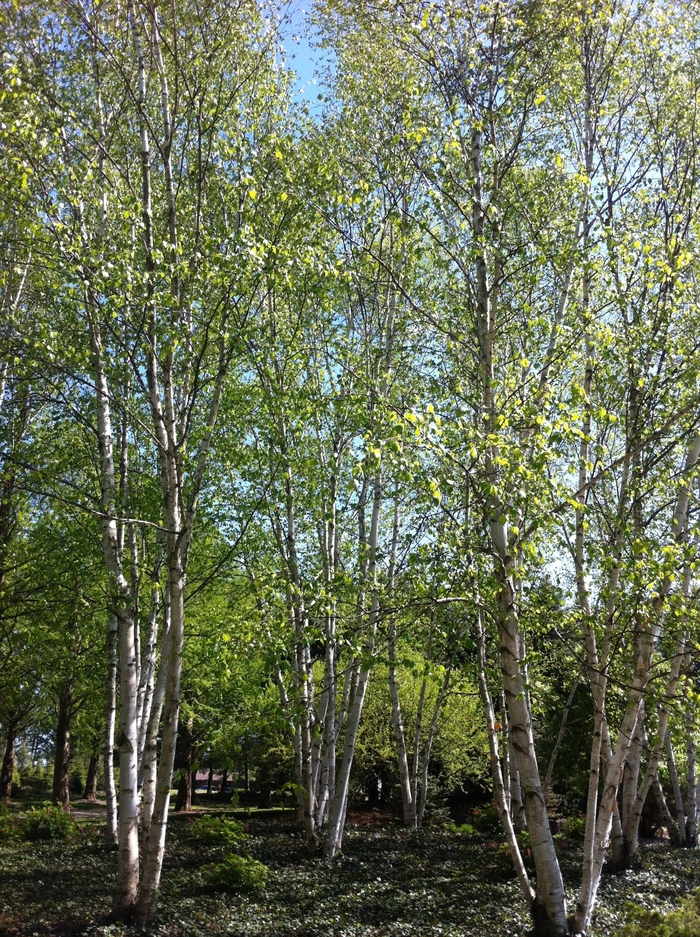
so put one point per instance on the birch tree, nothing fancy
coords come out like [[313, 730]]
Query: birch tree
[[492, 137], [150, 200]]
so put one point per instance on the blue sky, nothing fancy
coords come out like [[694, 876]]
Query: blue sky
[[301, 56]]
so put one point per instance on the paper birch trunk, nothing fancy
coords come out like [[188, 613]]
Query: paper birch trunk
[[170, 399], [367, 579], [148, 665], [127, 738], [630, 784], [549, 906], [499, 791], [428, 747], [155, 843], [515, 794], [110, 723], [334, 838], [91, 778], [679, 527], [147, 764], [666, 815], [650, 775], [407, 801], [691, 823], [645, 643], [680, 822]]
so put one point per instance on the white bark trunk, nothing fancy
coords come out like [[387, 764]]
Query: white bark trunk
[[339, 805], [148, 663], [517, 807], [498, 785], [148, 765], [128, 862], [127, 744], [110, 722], [155, 843], [691, 824], [549, 905], [334, 841], [630, 784], [664, 811], [550, 902], [427, 750], [676, 785], [407, 801], [608, 799], [661, 739]]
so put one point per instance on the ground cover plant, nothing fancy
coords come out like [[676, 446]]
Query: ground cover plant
[[389, 881], [685, 922]]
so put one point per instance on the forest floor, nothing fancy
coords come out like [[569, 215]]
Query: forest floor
[[388, 882]]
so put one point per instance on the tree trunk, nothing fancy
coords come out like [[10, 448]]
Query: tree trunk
[[334, 725], [407, 800], [665, 812], [183, 801], [61, 771], [155, 845], [8, 764], [91, 779], [608, 799], [630, 787], [127, 745], [432, 729], [691, 823], [662, 738], [108, 749], [517, 808], [417, 741], [549, 906], [123, 599], [148, 766], [499, 791], [148, 668], [339, 806], [307, 746], [675, 783]]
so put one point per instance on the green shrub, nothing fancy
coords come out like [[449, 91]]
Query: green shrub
[[462, 828], [682, 923], [35, 783], [47, 822], [574, 827], [486, 820], [525, 846], [9, 826], [236, 873], [217, 831]]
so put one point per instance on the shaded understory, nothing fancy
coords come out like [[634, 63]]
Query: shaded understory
[[388, 882]]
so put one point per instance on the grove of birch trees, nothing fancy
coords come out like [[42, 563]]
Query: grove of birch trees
[[400, 389]]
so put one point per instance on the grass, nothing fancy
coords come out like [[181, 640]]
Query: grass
[[388, 883]]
